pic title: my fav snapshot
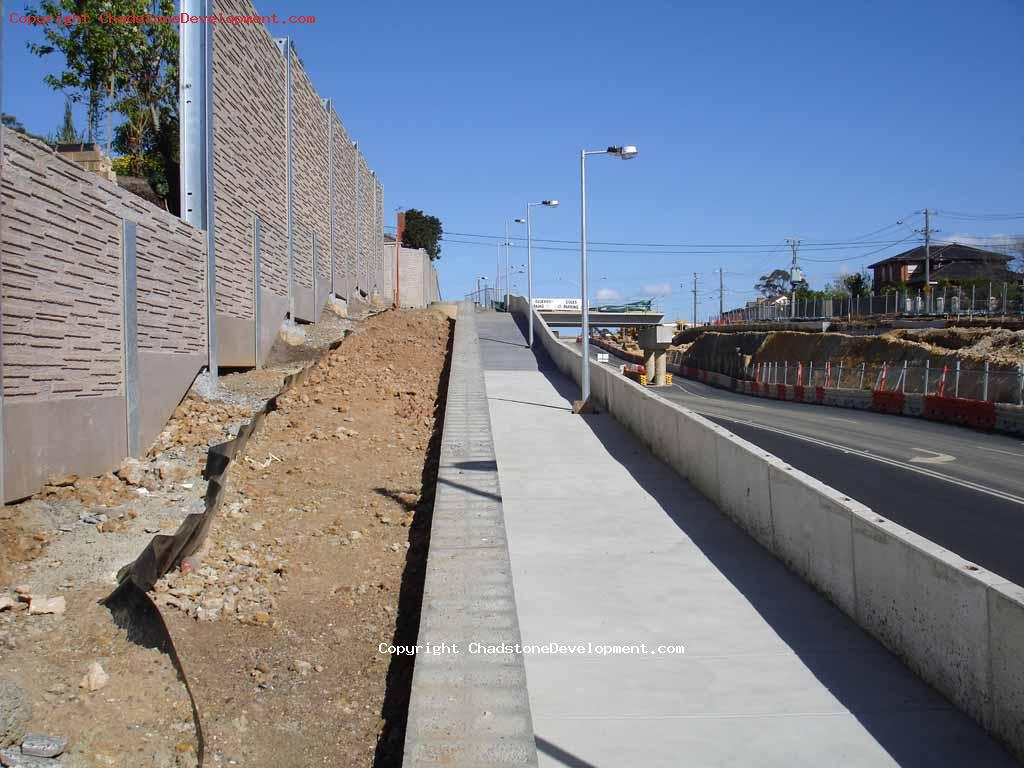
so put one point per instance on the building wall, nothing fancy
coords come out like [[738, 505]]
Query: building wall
[[417, 276]]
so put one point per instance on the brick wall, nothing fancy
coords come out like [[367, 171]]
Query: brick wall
[[61, 255]]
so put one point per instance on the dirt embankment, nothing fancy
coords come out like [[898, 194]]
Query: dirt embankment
[[318, 558], [300, 580], [1003, 349]]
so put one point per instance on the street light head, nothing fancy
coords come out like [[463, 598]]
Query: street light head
[[550, 203], [627, 152], [520, 221]]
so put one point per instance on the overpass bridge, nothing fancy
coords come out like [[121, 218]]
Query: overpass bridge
[[564, 318]]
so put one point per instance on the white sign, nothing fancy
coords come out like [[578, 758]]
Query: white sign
[[602, 357], [557, 305]]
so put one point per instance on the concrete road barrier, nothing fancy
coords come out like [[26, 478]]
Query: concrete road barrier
[[958, 627]]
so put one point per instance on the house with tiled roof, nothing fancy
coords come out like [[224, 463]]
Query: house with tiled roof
[[951, 263]]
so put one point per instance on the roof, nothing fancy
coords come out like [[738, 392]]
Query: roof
[[947, 253]]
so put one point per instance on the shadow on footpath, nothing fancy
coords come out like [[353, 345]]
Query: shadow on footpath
[[909, 719], [395, 709]]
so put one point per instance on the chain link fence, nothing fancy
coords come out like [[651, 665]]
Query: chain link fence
[[985, 300]]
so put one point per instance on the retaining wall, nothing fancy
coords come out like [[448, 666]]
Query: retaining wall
[[958, 627], [468, 710]]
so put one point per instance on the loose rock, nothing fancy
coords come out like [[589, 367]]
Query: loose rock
[[41, 605], [95, 679], [41, 745]]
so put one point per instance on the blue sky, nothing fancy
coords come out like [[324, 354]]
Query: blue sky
[[755, 121]]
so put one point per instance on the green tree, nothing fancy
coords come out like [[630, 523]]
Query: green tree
[[88, 51], [857, 284], [774, 284], [423, 231], [67, 133], [134, 67]]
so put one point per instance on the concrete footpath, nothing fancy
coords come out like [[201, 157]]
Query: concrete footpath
[[609, 546]]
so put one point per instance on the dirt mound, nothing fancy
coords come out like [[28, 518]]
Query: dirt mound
[[997, 345], [317, 558]]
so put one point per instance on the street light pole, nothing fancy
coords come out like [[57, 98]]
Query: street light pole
[[529, 277], [529, 261], [626, 153], [585, 304], [508, 277]]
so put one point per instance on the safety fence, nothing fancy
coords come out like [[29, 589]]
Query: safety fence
[[986, 300], [983, 383], [880, 389]]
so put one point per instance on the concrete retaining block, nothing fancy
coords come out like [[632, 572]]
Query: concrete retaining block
[[1010, 419], [743, 487], [698, 449], [811, 526], [924, 605], [1006, 633]]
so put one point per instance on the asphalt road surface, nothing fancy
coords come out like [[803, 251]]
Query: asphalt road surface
[[958, 487]]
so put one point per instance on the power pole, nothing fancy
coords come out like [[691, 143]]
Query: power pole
[[927, 232], [794, 272], [694, 298], [721, 294]]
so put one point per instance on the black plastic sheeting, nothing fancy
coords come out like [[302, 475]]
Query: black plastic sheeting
[[130, 604]]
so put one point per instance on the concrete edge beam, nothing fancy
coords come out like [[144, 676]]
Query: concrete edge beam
[[468, 709]]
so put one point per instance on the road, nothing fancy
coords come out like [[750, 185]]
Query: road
[[958, 487]]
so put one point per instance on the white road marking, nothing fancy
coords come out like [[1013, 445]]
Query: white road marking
[[935, 458], [882, 459], [695, 394], [997, 450]]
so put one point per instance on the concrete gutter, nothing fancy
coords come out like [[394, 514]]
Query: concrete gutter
[[468, 709], [960, 628]]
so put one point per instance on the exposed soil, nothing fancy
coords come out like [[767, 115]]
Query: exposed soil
[[280, 623], [997, 345], [70, 539]]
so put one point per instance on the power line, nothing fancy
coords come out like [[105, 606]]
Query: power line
[[687, 247]]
